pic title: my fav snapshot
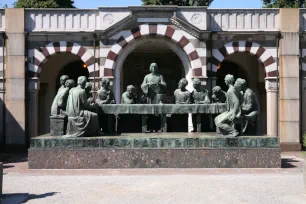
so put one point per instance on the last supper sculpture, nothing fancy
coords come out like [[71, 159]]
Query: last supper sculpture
[[87, 114]]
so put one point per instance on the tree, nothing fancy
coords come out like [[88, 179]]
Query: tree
[[284, 3], [178, 2], [44, 4]]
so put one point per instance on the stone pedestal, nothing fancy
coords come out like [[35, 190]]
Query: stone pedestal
[[58, 125], [154, 151]]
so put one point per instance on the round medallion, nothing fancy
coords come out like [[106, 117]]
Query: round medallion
[[108, 18], [196, 18]]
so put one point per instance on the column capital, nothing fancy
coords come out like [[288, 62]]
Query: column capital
[[271, 84], [33, 84]]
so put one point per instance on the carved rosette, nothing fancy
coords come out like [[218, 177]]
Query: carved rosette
[[108, 18], [271, 85], [196, 19]]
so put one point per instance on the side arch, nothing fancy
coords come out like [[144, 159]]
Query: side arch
[[154, 30], [41, 56], [262, 54]]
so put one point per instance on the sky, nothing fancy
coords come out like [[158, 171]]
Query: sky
[[101, 3]]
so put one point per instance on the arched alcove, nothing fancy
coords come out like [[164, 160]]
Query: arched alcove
[[146, 42], [56, 66]]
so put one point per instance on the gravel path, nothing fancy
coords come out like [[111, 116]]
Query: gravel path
[[258, 188]]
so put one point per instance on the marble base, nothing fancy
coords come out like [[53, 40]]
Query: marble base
[[174, 150], [153, 158]]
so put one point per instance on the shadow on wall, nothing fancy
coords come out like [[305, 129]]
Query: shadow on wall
[[23, 197], [13, 139]]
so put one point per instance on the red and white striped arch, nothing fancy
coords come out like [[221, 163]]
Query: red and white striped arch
[[262, 54], [158, 30], [41, 56]]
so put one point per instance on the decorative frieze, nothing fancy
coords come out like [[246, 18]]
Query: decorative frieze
[[243, 19]]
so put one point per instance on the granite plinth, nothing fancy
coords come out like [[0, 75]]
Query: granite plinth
[[58, 125], [175, 150]]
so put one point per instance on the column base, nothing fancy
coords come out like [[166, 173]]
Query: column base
[[290, 146]]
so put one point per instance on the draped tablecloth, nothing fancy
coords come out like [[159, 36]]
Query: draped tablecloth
[[117, 109]]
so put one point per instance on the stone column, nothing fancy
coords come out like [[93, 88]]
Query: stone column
[[2, 97], [289, 93], [211, 83], [15, 78], [33, 89], [304, 105], [271, 88], [95, 85]]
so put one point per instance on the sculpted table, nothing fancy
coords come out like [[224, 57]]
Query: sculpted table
[[163, 110]]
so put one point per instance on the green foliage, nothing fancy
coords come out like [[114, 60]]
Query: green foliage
[[44, 4], [284, 3], [178, 2]]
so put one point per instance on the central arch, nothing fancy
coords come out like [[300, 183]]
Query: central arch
[[130, 48], [166, 31]]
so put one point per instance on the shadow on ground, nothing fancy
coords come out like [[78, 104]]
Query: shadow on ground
[[9, 159], [17, 198], [289, 163]]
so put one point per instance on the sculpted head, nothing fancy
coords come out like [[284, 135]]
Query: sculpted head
[[70, 83], [105, 83], [63, 79], [216, 89], [131, 90], [240, 84], [154, 68], [88, 87], [229, 79], [183, 83], [82, 81], [196, 83]]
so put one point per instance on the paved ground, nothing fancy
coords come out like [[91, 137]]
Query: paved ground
[[156, 185]]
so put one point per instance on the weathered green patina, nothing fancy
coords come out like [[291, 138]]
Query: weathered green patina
[[81, 120], [162, 140]]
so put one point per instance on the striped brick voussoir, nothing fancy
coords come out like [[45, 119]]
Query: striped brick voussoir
[[252, 48], [157, 30], [41, 55]]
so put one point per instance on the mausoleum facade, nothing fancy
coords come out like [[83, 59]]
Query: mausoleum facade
[[264, 46]]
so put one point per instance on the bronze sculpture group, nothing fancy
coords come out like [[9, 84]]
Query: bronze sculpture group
[[79, 105]]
